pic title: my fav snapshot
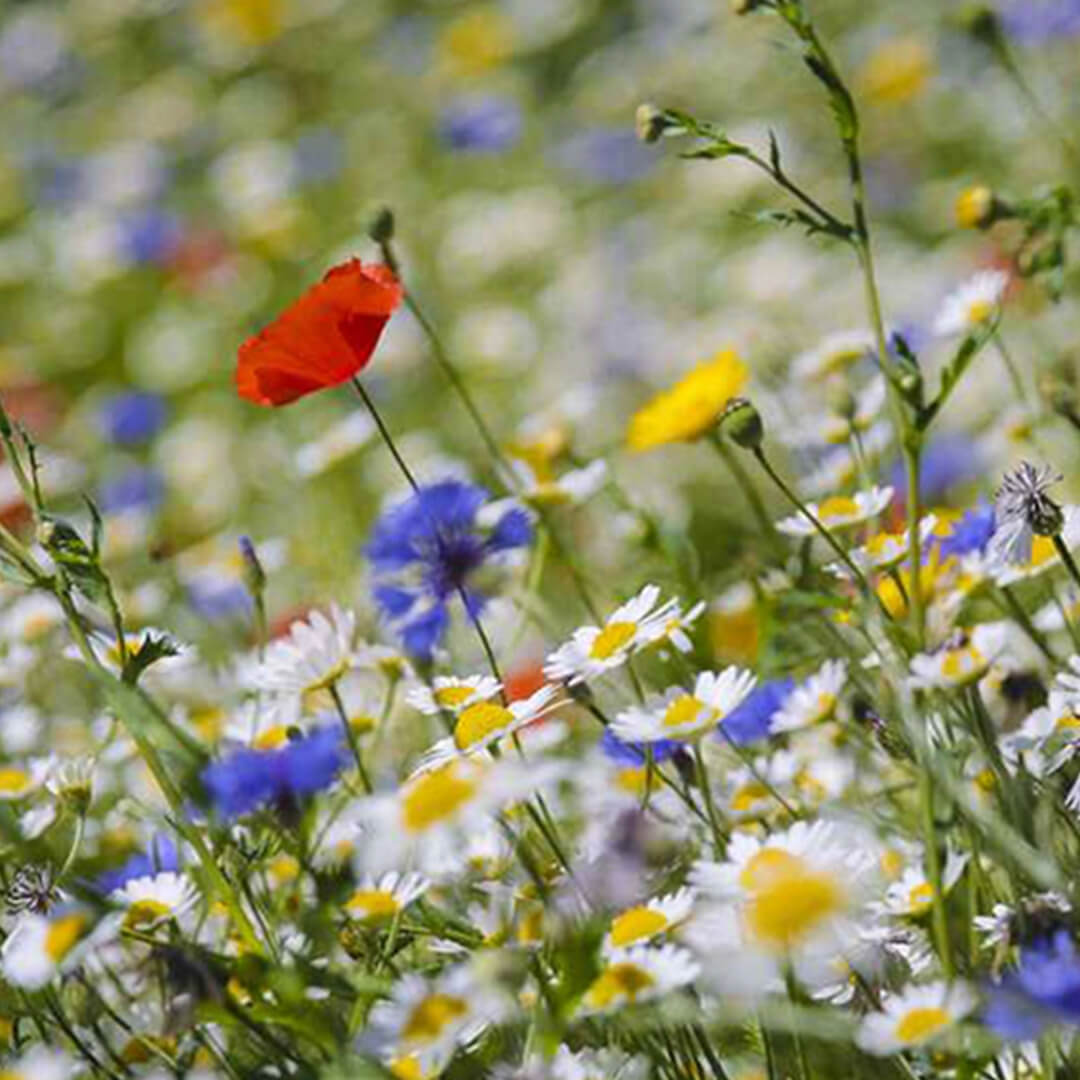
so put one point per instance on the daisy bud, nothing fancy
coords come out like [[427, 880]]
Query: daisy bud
[[978, 208], [381, 227], [744, 7], [650, 123], [742, 423]]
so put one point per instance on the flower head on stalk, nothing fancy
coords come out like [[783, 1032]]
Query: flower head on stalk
[[323, 339], [430, 548], [1023, 510]]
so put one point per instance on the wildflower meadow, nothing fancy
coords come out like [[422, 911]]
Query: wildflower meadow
[[538, 541]]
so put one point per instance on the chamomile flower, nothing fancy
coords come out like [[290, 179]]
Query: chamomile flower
[[40, 946], [915, 1017], [540, 486], [835, 353], [643, 922], [377, 900], [448, 693], [639, 974], [972, 306], [39, 1063], [814, 700], [18, 780], [315, 653], [884, 550], [485, 722], [683, 715], [594, 650], [1048, 738], [426, 1020], [962, 660], [838, 512], [792, 897], [150, 901], [913, 895]]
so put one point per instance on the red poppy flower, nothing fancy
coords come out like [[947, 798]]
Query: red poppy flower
[[323, 339]]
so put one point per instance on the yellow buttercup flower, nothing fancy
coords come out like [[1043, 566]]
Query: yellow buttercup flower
[[691, 407]]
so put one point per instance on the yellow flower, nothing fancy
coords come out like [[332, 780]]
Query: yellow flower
[[897, 71], [477, 41], [974, 207], [691, 407]]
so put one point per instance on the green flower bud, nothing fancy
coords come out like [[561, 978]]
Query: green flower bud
[[650, 123], [741, 422], [381, 227]]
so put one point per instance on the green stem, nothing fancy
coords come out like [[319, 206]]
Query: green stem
[[750, 492], [715, 825], [1066, 557], [933, 858], [350, 736]]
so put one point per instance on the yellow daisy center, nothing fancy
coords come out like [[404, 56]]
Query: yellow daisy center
[[435, 797], [479, 721], [1067, 722], [1042, 550], [450, 697], [921, 897], [918, 1025], [788, 899], [633, 780], [826, 702], [892, 862], [272, 738], [838, 507], [427, 1021], [62, 935], [147, 911], [406, 1069], [979, 311], [372, 904], [748, 795], [684, 710], [13, 781], [636, 924], [624, 980], [284, 868], [963, 663], [611, 639]]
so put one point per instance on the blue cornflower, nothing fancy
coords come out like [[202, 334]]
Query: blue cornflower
[[1043, 990], [162, 856], [427, 550], [631, 753], [151, 236], [751, 721], [136, 489], [480, 124], [971, 533], [132, 417], [950, 460], [248, 779], [1033, 22], [607, 155]]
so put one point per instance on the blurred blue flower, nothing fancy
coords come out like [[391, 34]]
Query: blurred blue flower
[[163, 855], [607, 155], [480, 125], [426, 550], [950, 460], [1033, 22], [132, 417], [752, 720], [214, 597], [151, 236], [1043, 990], [136, 489], [248, 779], [629, 753], [971, 533]]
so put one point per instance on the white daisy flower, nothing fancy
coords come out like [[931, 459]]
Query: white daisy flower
[[962, 660], [1048, 738], [40, 946], [835, 353], [973, 305], [913, 895], [915, 1017], [540, 486], [335, 444], [595, 650], [152, 900], [17, 781], [838, 512], [40, 1063], [682, 715], [814, 700], [316, 653], [884, 550], [378, 900], [639, 974], [448, 693], [30, 618], [642, 923], [426, 1020]]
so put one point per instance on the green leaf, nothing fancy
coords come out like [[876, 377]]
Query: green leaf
[[151, 649], [78, 561]]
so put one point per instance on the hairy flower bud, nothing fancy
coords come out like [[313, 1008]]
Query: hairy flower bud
[[381, 227], [650, 123]]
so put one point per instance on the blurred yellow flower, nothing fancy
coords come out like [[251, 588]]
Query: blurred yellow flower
[[897, 71], [477, 41], [251, 22], [691, 407], [974, 207]]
